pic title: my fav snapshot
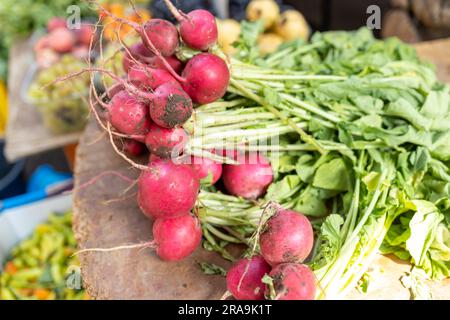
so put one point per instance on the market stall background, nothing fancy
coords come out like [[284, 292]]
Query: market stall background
[[29, 144]]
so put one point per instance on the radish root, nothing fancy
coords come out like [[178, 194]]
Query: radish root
[[144, 245], [103, 174]]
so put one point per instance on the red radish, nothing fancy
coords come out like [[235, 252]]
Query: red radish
[[166, 143], [81, 52], [293, 281], [141, 50], [153, 157], [198, 28], [171, 106], [159, 36], [129, 115], [209, 171], [61, 40], [167, 190], [84, 34], [287, 237], [134, 147], [55, 23], [173, 61], [147, 78], [249, 179], [127, 63], [176, 238], [162, 34], [207, 77], [244, 279], [138, 52], [114, 89]]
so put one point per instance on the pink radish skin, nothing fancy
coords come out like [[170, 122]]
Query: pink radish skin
[[287, 237], [199, 30], [138, 52], [164, 142], [55, 23], [209, 171], [249, 179], [129, 115], [171, 106], [127, 63], [134, 148], [207, 77], [167, 190], [177, 238], [251, 286], [163, 35], [146, 78], [61, 40], [293, 281], [173, 61]]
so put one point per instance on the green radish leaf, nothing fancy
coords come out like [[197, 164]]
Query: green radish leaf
[[423, 226], [331, 241], [212, 269], [371, 180], [283, 189], [309, 203], [269, 282], [305, 168], [333, 176], [207, 181]]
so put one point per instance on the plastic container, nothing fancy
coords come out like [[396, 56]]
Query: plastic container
[[18, 224], [11, 180], [43, 183], [64, 113]]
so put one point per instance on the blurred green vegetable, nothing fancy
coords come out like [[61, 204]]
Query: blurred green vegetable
[[21, 17], [42, 267]]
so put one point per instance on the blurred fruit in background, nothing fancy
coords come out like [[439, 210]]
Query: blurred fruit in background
[[3, 107], [62, 105], [269, 43], [229, 31], [281, 23], [113, 29], [265, 10], [60, 40], [292, 25]]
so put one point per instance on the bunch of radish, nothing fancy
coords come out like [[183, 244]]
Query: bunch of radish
[[61, 40], [285, 241], [148, 108]]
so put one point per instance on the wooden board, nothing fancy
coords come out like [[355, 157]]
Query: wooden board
[[437, 52], [134, 274], [128, 274], [25, 133]]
